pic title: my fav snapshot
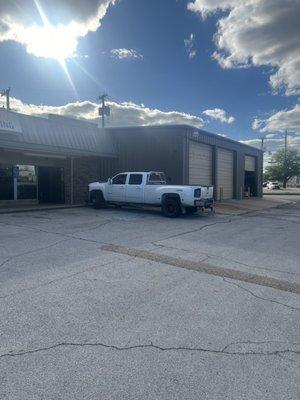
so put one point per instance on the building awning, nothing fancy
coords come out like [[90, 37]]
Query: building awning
[[54, 134]]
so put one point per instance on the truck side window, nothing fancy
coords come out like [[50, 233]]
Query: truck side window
[[156, 178], [119, 179], [135, 179]]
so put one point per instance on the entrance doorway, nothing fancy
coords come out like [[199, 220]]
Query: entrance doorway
[[6, 182], [250, 183], [51, 185]]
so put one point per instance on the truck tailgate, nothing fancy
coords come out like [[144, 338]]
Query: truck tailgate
[[207, 192]]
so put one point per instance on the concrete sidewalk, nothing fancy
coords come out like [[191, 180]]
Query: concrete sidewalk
[[232, 207], [283, 192], [237, 207]]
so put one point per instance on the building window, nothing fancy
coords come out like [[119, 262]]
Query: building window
[[26, 182]]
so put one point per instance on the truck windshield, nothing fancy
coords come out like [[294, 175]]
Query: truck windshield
[[156, 178]]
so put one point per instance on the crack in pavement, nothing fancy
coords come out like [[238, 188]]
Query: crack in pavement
[[257, 343], [206, 268], [273, 218], [157, 244], [31, 252], [62, 278], [223, 351], [193, 230], [259, 297], [95, 227], [67, 235]]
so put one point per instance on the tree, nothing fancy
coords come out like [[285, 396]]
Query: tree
[[285, 165]]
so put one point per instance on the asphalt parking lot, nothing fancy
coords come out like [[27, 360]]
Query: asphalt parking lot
[[126, 304]]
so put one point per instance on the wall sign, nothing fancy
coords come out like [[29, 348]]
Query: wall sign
[[9, 122], [195, 135]]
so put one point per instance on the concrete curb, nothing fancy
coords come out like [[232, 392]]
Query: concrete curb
[[35, 209], [282, 194]]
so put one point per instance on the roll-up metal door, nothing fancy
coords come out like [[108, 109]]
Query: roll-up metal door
[[225, 174], [200, 163], [249, 163]]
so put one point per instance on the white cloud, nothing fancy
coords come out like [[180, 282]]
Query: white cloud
[[271, 135], [123, 114], [280, 121], [204, 7], [50, 28], [258, 33], [126, 54], [257, 123], [220, 115], [189, 44], [273, 144]]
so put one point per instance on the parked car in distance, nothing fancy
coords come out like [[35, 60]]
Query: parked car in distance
[[273, 185], [150, 188]]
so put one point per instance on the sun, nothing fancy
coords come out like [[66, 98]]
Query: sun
[[49, 41], [58, 42], [54, 42]]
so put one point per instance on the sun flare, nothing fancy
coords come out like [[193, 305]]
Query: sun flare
[[51, 42], [58, 42]]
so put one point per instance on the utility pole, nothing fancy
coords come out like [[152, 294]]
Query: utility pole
[[5, 92], [104, 110], [262, 149], [285, 160]]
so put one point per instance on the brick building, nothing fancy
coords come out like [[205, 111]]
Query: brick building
[[52, 159]]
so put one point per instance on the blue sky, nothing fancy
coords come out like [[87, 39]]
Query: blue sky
[[158, 71]]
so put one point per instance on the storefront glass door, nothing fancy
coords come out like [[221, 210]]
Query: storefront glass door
[[26, 182], [18, 182]]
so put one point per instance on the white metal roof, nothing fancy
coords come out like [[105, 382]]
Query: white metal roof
[[54, 134]]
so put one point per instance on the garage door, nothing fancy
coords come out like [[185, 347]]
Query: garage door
[[200, 163], [249, 163], [225, 174]]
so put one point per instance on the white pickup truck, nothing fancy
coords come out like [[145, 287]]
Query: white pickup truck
[[150, 188]]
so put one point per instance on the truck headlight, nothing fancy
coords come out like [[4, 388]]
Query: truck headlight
[[197, 193]]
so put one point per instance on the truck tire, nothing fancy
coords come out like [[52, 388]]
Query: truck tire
[[98, 200], [171, 207], [191, 210]]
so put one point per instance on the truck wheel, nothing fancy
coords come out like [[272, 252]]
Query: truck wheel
[[98, 200], [191, 210], [171, 208]]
